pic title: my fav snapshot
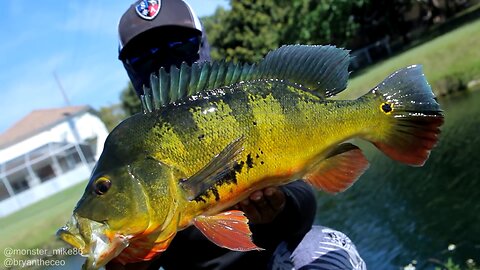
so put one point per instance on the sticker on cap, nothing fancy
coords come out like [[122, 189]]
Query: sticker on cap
[[148, 9]]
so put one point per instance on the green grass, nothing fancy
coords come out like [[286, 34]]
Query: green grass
[[450, 57], [35, 226]]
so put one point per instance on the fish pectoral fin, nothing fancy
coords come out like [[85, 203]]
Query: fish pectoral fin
[[228, 229], [338, 169], [220, 166]]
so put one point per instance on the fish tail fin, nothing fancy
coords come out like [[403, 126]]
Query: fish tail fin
[[414, 118]]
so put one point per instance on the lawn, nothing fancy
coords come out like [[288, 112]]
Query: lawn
[[35, 226], [446, 59]]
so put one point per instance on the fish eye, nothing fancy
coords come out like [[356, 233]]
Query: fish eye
[[102, 185], [387, 107]]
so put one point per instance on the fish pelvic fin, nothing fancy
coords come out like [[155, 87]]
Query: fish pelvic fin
[[338, 169], [228, 229], [414, 114], [322, 70]]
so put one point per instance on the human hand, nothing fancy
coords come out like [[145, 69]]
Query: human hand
[[262, 206]]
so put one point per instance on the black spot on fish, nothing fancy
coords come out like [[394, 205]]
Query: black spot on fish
[[215, 193], [200, 198], [254, 123], [228, 176], [257, 156], [238, 166], [200, 137], [261, 162], [249, 161]]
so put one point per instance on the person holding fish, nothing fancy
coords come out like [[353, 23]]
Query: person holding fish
[[207, 176], [279, 216]]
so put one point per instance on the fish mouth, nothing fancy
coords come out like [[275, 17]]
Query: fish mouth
[[94, 240]]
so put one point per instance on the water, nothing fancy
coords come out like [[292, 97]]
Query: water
[[396, 213]]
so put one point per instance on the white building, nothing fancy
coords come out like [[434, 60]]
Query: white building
[[46, 152]]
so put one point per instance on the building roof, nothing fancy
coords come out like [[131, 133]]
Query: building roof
[[38, 121]]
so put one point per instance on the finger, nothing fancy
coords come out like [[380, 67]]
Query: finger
[[262, 205], [256, 195], [250, 211], [275, 197], [236, 207], [264, 209]]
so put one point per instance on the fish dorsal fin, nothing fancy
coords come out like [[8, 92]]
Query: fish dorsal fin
[[320, 69]]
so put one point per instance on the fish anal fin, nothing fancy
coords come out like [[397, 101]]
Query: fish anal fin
[[228, 229], [338, 170]]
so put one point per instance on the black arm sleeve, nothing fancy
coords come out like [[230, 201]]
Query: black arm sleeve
[[293, 222]]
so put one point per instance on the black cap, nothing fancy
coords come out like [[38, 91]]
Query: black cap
[[145, 15]]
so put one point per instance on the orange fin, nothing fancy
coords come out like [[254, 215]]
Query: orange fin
[[338, 170], [228, 229]]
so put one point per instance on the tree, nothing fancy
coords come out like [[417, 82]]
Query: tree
[[378, 19], [247, 31], [250, 28], [322, 22], [213, 26], [112, 116], [130, 102]]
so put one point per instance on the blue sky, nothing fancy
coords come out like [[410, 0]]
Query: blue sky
[[74, 39]]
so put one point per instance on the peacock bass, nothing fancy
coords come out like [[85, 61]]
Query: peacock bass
[[213, 133]]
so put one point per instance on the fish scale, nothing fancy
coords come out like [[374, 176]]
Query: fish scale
[[273, 110], [211, 134]]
